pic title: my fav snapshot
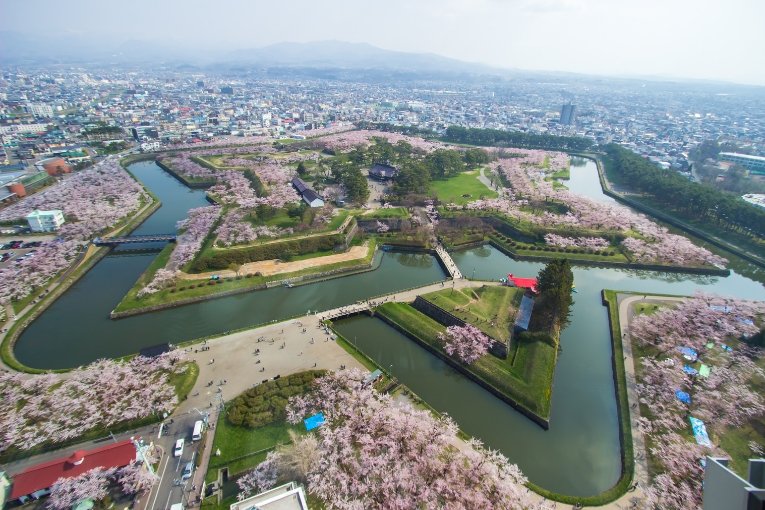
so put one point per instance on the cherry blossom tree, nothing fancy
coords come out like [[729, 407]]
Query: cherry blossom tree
[[725, 398], [260, 479], [376, 452], [135, 478], [530, 190], [101, 394], [65, 493], [92, 201], [467, 343]]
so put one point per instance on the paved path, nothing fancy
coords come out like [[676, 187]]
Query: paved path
[[626, 314], [285, 348]]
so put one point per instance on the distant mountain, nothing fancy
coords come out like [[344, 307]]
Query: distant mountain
[[76, 48], [345, 55]]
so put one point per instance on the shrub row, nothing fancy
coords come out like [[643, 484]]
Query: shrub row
[[285, 250], [266, 403]]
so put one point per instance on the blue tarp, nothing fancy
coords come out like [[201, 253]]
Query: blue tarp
[[721, 308], [690, 370], [373, 376], [683, 397], [700, 432], [688, 353], [312, 422], [725, 348]]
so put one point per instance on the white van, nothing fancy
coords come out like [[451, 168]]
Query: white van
[[178, 451], [196, 435], [177, 506]]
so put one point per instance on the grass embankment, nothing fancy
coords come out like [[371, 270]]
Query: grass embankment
[[519, 249], [491, 308], [525, 376], [254, 423], [385, 212], [461, 189], [208, 289]]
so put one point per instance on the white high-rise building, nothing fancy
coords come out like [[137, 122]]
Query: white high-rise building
[[41, 110], [45, 221]]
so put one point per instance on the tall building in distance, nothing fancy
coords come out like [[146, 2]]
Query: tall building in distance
[[568, 114]]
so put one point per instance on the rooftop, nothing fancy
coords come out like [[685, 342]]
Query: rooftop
[[289, 496], [44, 475]]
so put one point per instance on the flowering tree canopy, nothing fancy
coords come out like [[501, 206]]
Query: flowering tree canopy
[[467, 343], [527, 172], [375, 452], [726, 397], [48, 408]]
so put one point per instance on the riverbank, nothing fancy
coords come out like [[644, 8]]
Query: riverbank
[[90, 256], [711, 238]]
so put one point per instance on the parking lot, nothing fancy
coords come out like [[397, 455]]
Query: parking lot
[[13, 249]]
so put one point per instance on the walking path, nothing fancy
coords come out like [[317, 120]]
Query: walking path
[[626, 314], [454, 271], [282, 348]]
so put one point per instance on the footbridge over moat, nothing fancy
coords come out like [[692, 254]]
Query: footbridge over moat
[[150, 238]]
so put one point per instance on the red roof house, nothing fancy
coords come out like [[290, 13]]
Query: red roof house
[[523, 283], [42, 476]]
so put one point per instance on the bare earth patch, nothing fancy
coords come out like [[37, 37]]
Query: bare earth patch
[[273, 266]]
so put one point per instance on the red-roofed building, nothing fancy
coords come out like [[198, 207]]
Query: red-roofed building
[[42, 476], [522, 283]]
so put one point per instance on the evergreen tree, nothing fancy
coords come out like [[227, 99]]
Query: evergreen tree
[[555, 284]]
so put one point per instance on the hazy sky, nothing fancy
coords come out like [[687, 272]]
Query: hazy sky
[[715, 39]]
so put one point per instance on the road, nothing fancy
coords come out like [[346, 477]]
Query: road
[[171, 489]]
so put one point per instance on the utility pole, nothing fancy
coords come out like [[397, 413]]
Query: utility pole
[[141, 449]]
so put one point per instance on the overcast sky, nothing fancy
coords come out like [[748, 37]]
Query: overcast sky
[[710, 39]]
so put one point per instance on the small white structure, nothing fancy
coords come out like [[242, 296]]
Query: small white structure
[[45, 221], [289, 496]]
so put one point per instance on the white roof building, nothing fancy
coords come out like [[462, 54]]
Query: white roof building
[[45, 221], [289, 496]]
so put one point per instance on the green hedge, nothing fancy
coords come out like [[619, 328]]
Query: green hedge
[[214, 259], [266, 403]]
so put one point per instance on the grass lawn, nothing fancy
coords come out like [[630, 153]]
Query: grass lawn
[[455, 189], [387, 212], [490, 308], [237, 443], [185, 380], [525, 376]]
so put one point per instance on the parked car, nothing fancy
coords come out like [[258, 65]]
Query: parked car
[[178, 451], [188, 470]]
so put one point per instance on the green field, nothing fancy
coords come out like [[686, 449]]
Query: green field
[[388, 212], [490, 308], [525, 376], [461, 189]]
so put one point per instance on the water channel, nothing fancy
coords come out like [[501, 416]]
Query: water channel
[[579, 455], [76, 329]]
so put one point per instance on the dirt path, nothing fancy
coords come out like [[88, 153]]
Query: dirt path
[[270, 267]]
